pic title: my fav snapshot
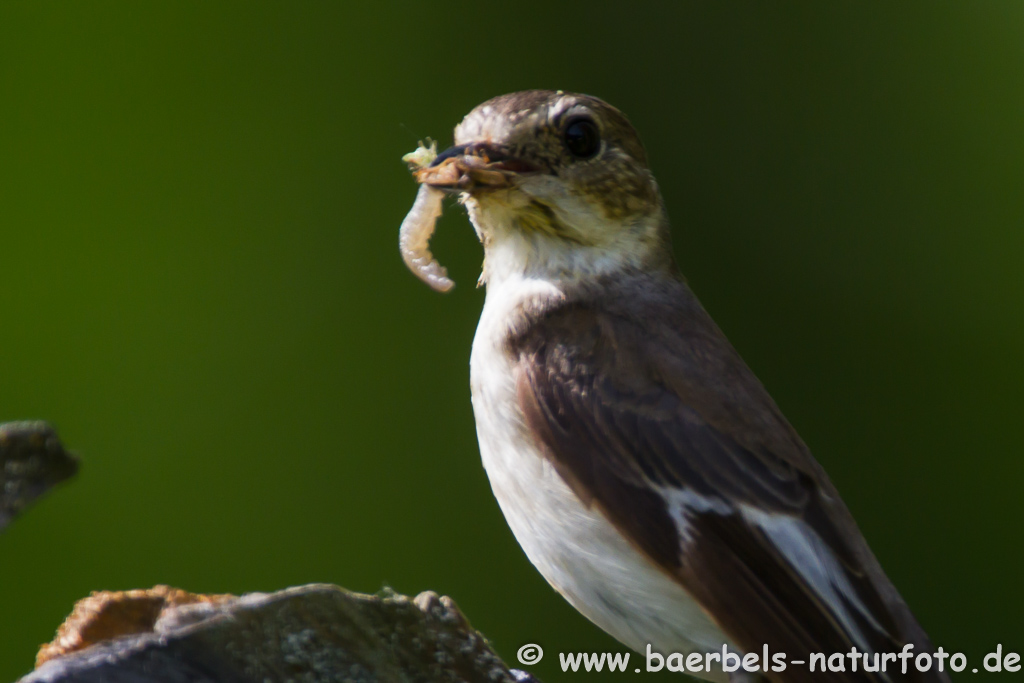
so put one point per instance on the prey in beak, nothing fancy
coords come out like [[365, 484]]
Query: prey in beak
[[462, 168], [465, 168]]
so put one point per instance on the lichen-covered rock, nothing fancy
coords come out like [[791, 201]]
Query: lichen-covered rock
[[106, 615], [308, 634]]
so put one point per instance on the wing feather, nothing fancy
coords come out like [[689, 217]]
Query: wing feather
[[653, 417]]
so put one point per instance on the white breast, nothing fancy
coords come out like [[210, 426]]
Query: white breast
[[576, 548]]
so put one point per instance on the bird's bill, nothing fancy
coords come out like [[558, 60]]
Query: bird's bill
[[465, 168]]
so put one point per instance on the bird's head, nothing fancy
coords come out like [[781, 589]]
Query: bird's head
[[557, 186]]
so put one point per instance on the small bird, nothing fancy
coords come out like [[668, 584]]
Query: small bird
[[642, 466]]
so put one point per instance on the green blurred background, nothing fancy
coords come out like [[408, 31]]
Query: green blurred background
[[200, 284]]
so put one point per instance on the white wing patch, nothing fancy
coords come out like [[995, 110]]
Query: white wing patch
[[801, 547], [683, 504], [812, 559]]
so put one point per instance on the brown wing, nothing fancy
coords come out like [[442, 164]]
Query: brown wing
[[648, 413]]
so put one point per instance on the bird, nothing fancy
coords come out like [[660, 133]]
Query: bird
[[641, 465]]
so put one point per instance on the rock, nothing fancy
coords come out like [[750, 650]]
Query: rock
[[306, 634], [32, 460]]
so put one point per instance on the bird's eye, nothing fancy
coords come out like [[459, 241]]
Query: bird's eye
[[582, 138]]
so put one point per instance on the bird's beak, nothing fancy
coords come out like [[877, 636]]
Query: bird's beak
[[477, 166]]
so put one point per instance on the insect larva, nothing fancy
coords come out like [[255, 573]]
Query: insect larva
[[414, 239]]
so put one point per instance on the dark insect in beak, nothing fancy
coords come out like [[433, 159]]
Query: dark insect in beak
[[456, 151], [473, 166]]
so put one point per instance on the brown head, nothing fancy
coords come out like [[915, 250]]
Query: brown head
[[561, 179]]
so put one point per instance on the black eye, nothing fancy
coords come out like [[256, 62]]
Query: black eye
[[582, 138]]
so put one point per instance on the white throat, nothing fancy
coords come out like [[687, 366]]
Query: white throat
[[516, 250]]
